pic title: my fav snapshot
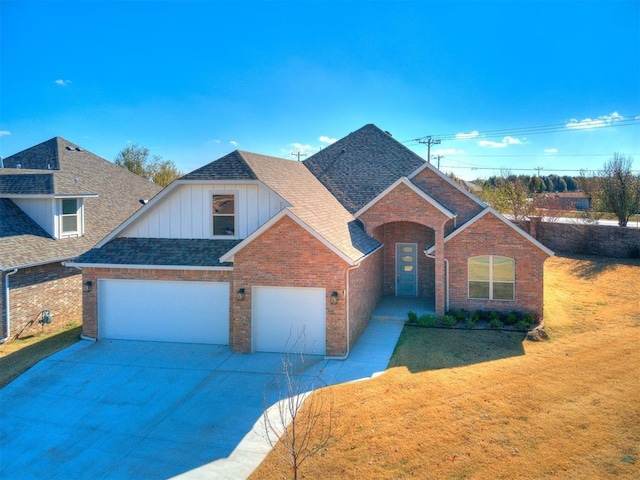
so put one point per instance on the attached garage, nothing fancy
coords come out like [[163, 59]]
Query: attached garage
[[280, 314], [164, 311]]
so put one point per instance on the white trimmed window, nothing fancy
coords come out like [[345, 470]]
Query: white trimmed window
[[492, 277], [224, 215], [70, 218]]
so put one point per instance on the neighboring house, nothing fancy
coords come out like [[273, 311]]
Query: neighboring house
[[56, 202], [250, 249], [563, 201]]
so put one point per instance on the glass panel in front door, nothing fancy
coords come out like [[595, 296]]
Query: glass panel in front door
[[406, 269]]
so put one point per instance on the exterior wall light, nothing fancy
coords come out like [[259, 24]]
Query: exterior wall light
[[334, 298], [86, 286], [240, 294]]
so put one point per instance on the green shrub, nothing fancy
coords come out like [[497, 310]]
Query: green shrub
[[523, 325], [413, 316], [427, 320], [529, 319], [485, 315], [460, 315], [475, 317], [495, 322], [471, 322], [494, 316], [512, 318], [449, 320]]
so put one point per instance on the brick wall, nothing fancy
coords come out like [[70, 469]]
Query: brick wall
[[602, 240], [50, 287], [447, 195], [404, 232], [287, 255], [90, 327], [491, 236], [365, 290]]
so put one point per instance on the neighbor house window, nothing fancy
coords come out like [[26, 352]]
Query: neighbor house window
[[492, 278], [70, 219], [224, 215]]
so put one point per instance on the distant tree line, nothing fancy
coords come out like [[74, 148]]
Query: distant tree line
[[534, 183]]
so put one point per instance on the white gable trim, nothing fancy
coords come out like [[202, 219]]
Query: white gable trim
[[447, 179], [228, 257], [504, 220], [405, 181]]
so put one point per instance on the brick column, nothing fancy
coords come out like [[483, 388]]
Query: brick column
[[440, 271]]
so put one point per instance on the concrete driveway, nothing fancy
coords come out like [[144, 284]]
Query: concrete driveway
[[149, 410]]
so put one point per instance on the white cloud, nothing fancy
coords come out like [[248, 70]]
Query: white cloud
[[234, 143], [327, 140], [472, 134], [588, 123], [4, 133], [550, 150], [62, 83], [302, 148], [490, 144], [508, 140]]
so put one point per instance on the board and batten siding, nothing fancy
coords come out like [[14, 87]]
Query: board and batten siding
[[186, 212], [40, 210]]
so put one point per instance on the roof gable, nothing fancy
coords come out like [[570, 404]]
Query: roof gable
[[494, 213], [230, 167], [361, 165]]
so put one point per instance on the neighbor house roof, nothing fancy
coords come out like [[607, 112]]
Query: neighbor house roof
[[59, 168], [363, 164]]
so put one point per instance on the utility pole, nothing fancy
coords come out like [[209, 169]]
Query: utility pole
[[299, 154], [438, 158], [538, 169], [428, 141]]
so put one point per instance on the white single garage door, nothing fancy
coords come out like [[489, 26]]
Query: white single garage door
[[280, 314], [164, 311]]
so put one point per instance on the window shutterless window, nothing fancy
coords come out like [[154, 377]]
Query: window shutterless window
[[224, 215], [70, 215], [492, 278]]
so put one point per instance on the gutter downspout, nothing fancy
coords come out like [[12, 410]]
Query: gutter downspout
[[6, 305], [348, 317], [446, 285]]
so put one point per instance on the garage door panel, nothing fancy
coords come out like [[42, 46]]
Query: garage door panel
[[171, 311], [281, 314]]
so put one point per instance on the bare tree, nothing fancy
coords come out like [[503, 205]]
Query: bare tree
[[619, 191], [302, 422], [135, 158], [509, 195]]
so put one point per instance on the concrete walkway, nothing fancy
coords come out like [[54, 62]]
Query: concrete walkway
[[150, 410]]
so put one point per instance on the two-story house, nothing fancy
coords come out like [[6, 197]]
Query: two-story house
[[56, 202], [251, 250]]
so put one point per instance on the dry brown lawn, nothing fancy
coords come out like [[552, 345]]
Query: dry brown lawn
[[20, 354], [490, 405]]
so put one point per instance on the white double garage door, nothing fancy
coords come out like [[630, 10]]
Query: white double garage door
[[283, 318]]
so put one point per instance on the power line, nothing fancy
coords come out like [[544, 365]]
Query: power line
[[429, 141], [630, 120]]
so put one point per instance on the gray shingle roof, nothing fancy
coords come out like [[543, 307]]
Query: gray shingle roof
[[361, 165], [26, 183], [160, 251], [229, 167], [74, 172]]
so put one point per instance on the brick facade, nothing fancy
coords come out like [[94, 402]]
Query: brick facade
[[365, 291], [404, 205], [491, 236], [389, 235], [449, 196], [50, 287], [288, 255]]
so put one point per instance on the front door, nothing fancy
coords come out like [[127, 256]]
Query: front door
[[406, 269]]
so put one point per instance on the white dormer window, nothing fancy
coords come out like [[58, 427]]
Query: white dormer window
[[70, 221], [224, 215]]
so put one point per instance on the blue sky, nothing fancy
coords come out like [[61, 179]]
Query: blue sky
[[192, 81]]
